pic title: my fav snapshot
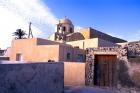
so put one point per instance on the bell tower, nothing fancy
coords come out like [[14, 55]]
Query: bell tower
[[64, 27]]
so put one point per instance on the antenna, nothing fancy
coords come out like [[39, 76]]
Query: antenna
[[65, 17], [30, 35]]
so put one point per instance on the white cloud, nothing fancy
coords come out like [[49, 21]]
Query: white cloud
[[16, 14], [77, 28]]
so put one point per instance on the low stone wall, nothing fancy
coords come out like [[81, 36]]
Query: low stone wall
[[134, 73], [120, 52], [32, 78], [133, 49], [74, 74]]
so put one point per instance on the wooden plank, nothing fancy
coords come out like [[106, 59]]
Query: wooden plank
[[107, 69]]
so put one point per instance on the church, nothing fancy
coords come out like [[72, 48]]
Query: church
[[97, 58], [65, 33], [65, 45]]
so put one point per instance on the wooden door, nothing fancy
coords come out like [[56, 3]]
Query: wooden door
[[105, 70]]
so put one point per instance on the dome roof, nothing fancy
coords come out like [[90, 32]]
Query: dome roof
[[65, 21]]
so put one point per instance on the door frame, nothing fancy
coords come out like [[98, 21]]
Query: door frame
[[99, 67]]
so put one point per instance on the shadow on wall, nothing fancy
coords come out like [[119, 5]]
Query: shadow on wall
[[75, 36], [135, 73], [129, 76], [123, 75], [32, 78]]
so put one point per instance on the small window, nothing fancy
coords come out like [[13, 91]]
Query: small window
[[19, 57], [68, 56], [71, 30], [64, 28], [80, 58]]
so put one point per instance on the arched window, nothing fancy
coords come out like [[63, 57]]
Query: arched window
[[64, 28], [71, 30]]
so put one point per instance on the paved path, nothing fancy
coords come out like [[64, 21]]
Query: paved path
[[86, 90]]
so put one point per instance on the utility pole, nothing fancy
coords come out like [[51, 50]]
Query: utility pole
[[30, 35]]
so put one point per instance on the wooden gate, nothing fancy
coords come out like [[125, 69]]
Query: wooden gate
[[105, 70]]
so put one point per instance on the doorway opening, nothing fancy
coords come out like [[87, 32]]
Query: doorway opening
[[105, 70], [19, 57]]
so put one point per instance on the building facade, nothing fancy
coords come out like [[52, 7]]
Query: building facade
[[37, 49], [106, 58], [64, 45]]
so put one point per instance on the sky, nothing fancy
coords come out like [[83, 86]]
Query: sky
[[120, 18]]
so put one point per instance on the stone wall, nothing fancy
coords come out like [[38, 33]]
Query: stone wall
[[121, 54], [133, 49], [128, 72], [32, 78]]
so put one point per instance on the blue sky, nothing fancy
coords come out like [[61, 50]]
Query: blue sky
[[120, 18]]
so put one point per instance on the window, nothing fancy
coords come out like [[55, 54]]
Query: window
[[80, 58], [68, 56], [64, 28], [71, 30], [19, 57]]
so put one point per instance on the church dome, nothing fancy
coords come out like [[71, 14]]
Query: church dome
[[65, 21]]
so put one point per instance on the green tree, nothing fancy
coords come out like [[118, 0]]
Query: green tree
[[20, 34]]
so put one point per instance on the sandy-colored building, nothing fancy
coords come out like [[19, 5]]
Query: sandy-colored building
[[106, 56], [64, 45], [83, 38], [37, 49], [89, 43], [65, 32]]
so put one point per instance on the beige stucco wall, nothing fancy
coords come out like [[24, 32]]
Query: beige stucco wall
[[104, 43], [31, 52], [73, 53], [74, 37], [63, 53], [47, 52], [40, 41], [89, 43], [21, 46], [83, 44], [85, 32], [43, 50], [74, 74]]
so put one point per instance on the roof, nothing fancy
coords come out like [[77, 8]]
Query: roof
[[65, 21]]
